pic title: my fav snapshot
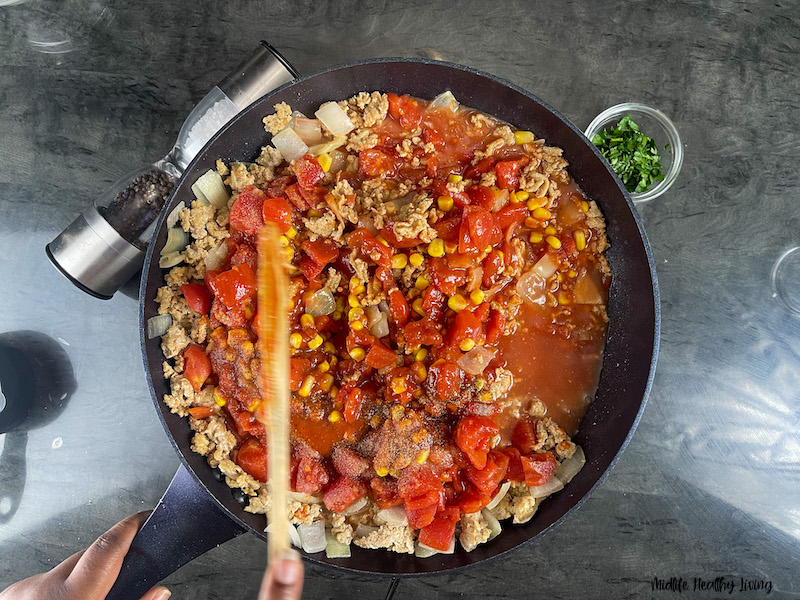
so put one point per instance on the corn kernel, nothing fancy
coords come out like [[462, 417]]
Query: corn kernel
[[542, 214], [292, 233], [421, 354], [436, 248], [253, 405], [230, 355], [417, 306], [355, 326], [477, 296], [382, 471], [485, 397], [563, 298], [357, 354], [457, 302], [316, 342], [580, 239], [522, 195], [335, 416], [381, 239], [325, 161], [334, 392], [416, 259], [536, 237], [398, 385], [450, 247], [420, 371], [353, 301], [329, 348], [467, 345], [501, 255], [307, 320], [523, 137], [288, 253], [513, 198], [423, 456], [295, 340], [572, 274], [421, 283], [584, 206], [454, 179], [337, 314], [248, 312], [531, 222], [553, 241], [314, 213], [354, 283], [354, 314], [535, 203], [445, 203], [307, 386], [326, 383], [550, 230], [219, 398], [284, 241], [247, 349], [324, 366], [399, 261]]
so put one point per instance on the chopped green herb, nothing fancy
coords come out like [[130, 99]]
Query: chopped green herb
[[632, 155]]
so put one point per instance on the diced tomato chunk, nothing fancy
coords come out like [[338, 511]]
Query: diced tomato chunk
[[482, 196], [398, 307], [478, 230], [201, 412], [252, 457], [245, 255], [362, 239], [197, 297], [496, 326], [311, 474], [293, 195], [234, 286], [417, 481], [388, 234], [439, 534], [343, 492], [489, 477], [196, 366], [405, 109], [422, 333], [353, 403], [538, 467], [310, 268], [298, 369], [508, 172], [421, 517], [278, 186], [246, 212], [375, 163], [448, 229], [348, 462], [483, 166], [278, 211], [473, 435], [308, 171], [511, 215], [472, 499], [515, 471], [321, 251], [433, 303], [380, 357], [524, 436], [446, 377], [465, 326], [384, 491]]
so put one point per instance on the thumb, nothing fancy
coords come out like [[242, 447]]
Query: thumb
[[97, 569], [284, 578], [157, 593]]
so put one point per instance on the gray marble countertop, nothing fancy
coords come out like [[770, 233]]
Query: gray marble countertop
[[708, 487]]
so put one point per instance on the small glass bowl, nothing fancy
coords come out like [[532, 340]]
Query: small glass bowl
[[656, 125]]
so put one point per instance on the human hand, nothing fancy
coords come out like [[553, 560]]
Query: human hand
[[283, 579], [88, 574]]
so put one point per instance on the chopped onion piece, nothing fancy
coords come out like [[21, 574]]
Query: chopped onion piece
[[378, 321], [338, 161], [393, 516], [334, 119], [170, 260], [293, 535], [492, 522], [445, 100], [532, 288], [216, 256], [210, 186], [326, 147], [476, 360], [426, 551], [289, 144], [550, 486], [177, 239], [175, 216], [321, 303], [501, 493], [309, 130], [572, 466], [363, 531], [356, 506], [304, 498], [335, 548], [545, 266], [312, 536], [587, 290], [158, 325]]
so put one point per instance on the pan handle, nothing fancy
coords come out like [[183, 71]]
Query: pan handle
[[169, 539]]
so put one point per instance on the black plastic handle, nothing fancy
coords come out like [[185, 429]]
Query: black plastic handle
[[186, 523]]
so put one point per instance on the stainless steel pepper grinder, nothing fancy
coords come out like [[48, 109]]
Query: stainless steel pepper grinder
[[105, 246]]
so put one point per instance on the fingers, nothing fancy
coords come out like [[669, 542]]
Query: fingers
[[157, 593], [283, 579], [96, 571]]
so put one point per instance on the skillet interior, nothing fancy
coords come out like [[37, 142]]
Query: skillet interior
[[632, 339]]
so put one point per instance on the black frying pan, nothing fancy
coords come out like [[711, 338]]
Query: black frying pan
[[199, 511]]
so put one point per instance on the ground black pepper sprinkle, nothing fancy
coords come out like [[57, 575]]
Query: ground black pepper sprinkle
[[136, 206]]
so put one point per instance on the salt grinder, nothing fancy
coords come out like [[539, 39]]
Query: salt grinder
[[105, 246]]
